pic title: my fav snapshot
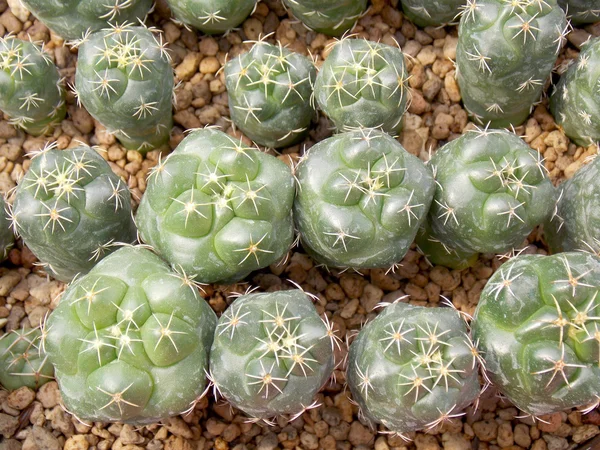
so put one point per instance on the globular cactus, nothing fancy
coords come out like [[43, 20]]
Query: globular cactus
[[363, 84], [492, 190], [413, 368], [72, 19], [270, 92], [23, 360], [581, 11], [70, 209], [125, 81], [331, 18], [217, 208], [130, 340], [212, 16], [505, 54], [361, 199], [537, 326], [7, 238], [271, 354], [31, 89], [433, 13], [575, 104], [438, 253]]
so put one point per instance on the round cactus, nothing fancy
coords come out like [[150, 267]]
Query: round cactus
[[31, 90], [218, 208], [130, 340], [331, 18], [70, 208], [125, 81], [575, 104], [7, 238], [432, 13], [361, 200], [212, 16], [363, 84], [506, 51], [537, 327], [270, 93], [413, 368], [581, 11], [271, 354], [439, 254], [492, 190]]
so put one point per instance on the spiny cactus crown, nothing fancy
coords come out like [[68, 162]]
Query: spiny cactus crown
[[432, 12], [331, 18], [581, 11], [212, 16]]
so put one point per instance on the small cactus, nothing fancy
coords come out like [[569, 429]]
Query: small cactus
[[125, 81], [7, 238], [363, 84], [130, 340], [217, 208], [31, 89], [505, 54], [575, 104], [71, 210], [537, 327], [270, 93], [413, 368], [212, 16], [581, 11], [361, 199], [432, 13], [438, 253], [271, 354], [331, 18], [492, 190]]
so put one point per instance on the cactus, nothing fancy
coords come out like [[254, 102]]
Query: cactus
[[413, 368], [361, 200], [575, 104], [537, 328], [72, 19], [7, 238], [31, 90], [23, 360], [129, 341], [218, 208], [506, 51], [71, 210], [270, 93], [439, 254], [331, 18], [271, 354], [363, 84], [125, 81], [212, 16], [492, 190], [581, 11], [431, 13]]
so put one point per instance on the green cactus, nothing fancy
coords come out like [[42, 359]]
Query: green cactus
[[506, 51], [7, 238], [71, 210], [492, 190], [23, 360], [361, 200], [72, 19], [271, 354], [439, 254], [413, 368], [270, 93], [129, 341], [31, 89], [431, 13], [218, 208], [537, 328], [581, 11], [212, 16], [363, 84], [125, 81], [331, 18], [575, 104]]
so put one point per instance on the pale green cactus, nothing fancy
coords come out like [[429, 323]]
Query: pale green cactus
[[581, 11], [333, 18], [7, 238], [438, 253], [212, 16], [431, 13]]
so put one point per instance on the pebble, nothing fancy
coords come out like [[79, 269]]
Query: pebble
[[8, 425], [77, 442], [44, 439], [486, 430], [585, 432], [455, 441], [21, 398]]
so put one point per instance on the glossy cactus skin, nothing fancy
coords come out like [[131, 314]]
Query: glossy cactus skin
[[581, 11], [492, 190], [433, 13], [271, 353], [361, 199], [125, 81], [23, 360], [537, 327], [575, 104], [270, 93], [412, 367], [331, 18], [212, 16], [31, 90], [70, 208], [505, 54], [438, 253], [363, 84], [217, 208], [7, 238], [129, 341], [71, 19]]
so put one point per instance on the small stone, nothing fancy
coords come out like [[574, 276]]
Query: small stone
[[521, 435], [349, 309], [550, 423], [309, 441], [426, 442], [82, 120], [268, 442], [455, 441], [49, 395], [178, 427], [77, 442], [10, 22], [8, 425], [486, 430], [253, 29], [585, 432], [555, 442], [21, 398], [372, 295], [505, 435], [359, 434], [188, 67], [44, 439], [210, 64], [129, 436], [451, 87], [427, 55]]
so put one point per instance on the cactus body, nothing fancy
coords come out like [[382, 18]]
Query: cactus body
[[7, 238], [581, 11], [212, 16], [331, 18], [433, 13], [438, 253]]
